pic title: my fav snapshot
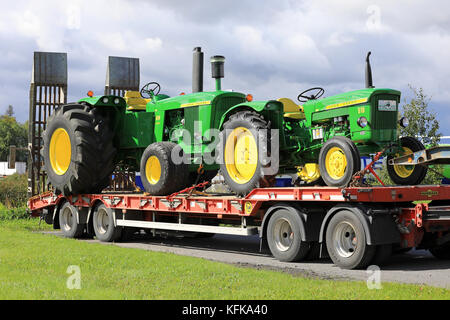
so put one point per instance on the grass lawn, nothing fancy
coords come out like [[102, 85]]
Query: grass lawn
[[34, 266]]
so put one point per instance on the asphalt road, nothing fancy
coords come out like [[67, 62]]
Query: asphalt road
[[416, 267]]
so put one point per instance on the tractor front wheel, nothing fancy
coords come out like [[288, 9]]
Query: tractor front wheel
[[338, 161], [407, 175], [160, 173]]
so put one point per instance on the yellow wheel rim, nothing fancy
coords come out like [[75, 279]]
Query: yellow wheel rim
[[336, 163], [241, 155], [404, 171], [153, 170], [60, 151]]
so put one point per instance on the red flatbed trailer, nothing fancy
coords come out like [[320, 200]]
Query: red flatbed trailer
[[356, 226]]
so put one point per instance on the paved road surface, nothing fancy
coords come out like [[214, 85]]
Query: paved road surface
[[417, 267]]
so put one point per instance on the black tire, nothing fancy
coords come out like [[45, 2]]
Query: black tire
[[342, 232], [441, 252], [356, 154], [417, 174], [284, 236], [103, 222], [382, 254], [173, 177], [68, 221], [91, 147], [351, 154], [254, 123]]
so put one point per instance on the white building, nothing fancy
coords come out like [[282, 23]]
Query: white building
[[21, 168]]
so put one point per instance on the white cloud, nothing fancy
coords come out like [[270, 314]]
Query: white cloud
[[272, 48]]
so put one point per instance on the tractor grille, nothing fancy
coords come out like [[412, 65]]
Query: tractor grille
[[384, 119]]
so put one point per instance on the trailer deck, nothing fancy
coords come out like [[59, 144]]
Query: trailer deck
[[401, 216]]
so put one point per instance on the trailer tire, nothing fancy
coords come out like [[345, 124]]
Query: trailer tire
[[284, 236], [68, 221], [104, 228], [347, 242], [402, 175], [382, 254], [441, 252]]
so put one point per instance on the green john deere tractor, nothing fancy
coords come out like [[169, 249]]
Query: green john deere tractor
[[168, 139]]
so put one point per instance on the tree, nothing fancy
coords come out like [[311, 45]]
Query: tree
[[10, 111], [12, 133]]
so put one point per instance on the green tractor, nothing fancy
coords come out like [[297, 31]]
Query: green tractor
[[172, 140]]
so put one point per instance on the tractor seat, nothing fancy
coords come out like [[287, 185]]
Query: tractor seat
[[134, 101], [291, 109]]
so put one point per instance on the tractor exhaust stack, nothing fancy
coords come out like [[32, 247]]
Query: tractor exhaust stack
[[369, 82], [217, 70], [197, 70]]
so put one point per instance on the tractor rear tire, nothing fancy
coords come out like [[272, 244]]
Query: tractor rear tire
[[339, 160], [243, 136], [78, 150], [407, 175], [159, 173]]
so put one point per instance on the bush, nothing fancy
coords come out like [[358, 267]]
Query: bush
[[13, 191], [13, 213]]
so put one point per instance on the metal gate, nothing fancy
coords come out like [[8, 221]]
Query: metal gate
[[48, 90]]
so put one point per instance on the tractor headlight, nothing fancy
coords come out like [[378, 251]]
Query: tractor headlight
[[105, 100], [116, 101], [362, 122], [404, 122]]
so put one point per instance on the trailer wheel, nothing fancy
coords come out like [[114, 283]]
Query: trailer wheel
[[407, 175], [159, 173], [382, 254], [68, 221], [441, 252], [346, 242], [284, 237], [338, 161], [104, 228]]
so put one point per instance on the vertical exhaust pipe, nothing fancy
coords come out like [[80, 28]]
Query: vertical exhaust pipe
[[217, 70], [197, 70], [369, 82]]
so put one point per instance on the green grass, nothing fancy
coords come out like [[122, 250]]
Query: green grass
[[33, 266]]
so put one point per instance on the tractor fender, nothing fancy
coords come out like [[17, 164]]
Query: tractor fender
[[257, 106], [284, 206], [379, 227]]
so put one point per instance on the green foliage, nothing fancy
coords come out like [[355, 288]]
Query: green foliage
[[422, 121], [13, 213], [13, 191], [12, 133], [39, 271]]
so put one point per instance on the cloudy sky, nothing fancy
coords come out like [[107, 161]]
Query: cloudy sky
[[273, 48]]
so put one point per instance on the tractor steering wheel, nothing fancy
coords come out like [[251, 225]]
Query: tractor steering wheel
[[150, 90], [315, 96]]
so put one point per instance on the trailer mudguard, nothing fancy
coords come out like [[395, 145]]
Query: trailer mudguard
[[379, 228]]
